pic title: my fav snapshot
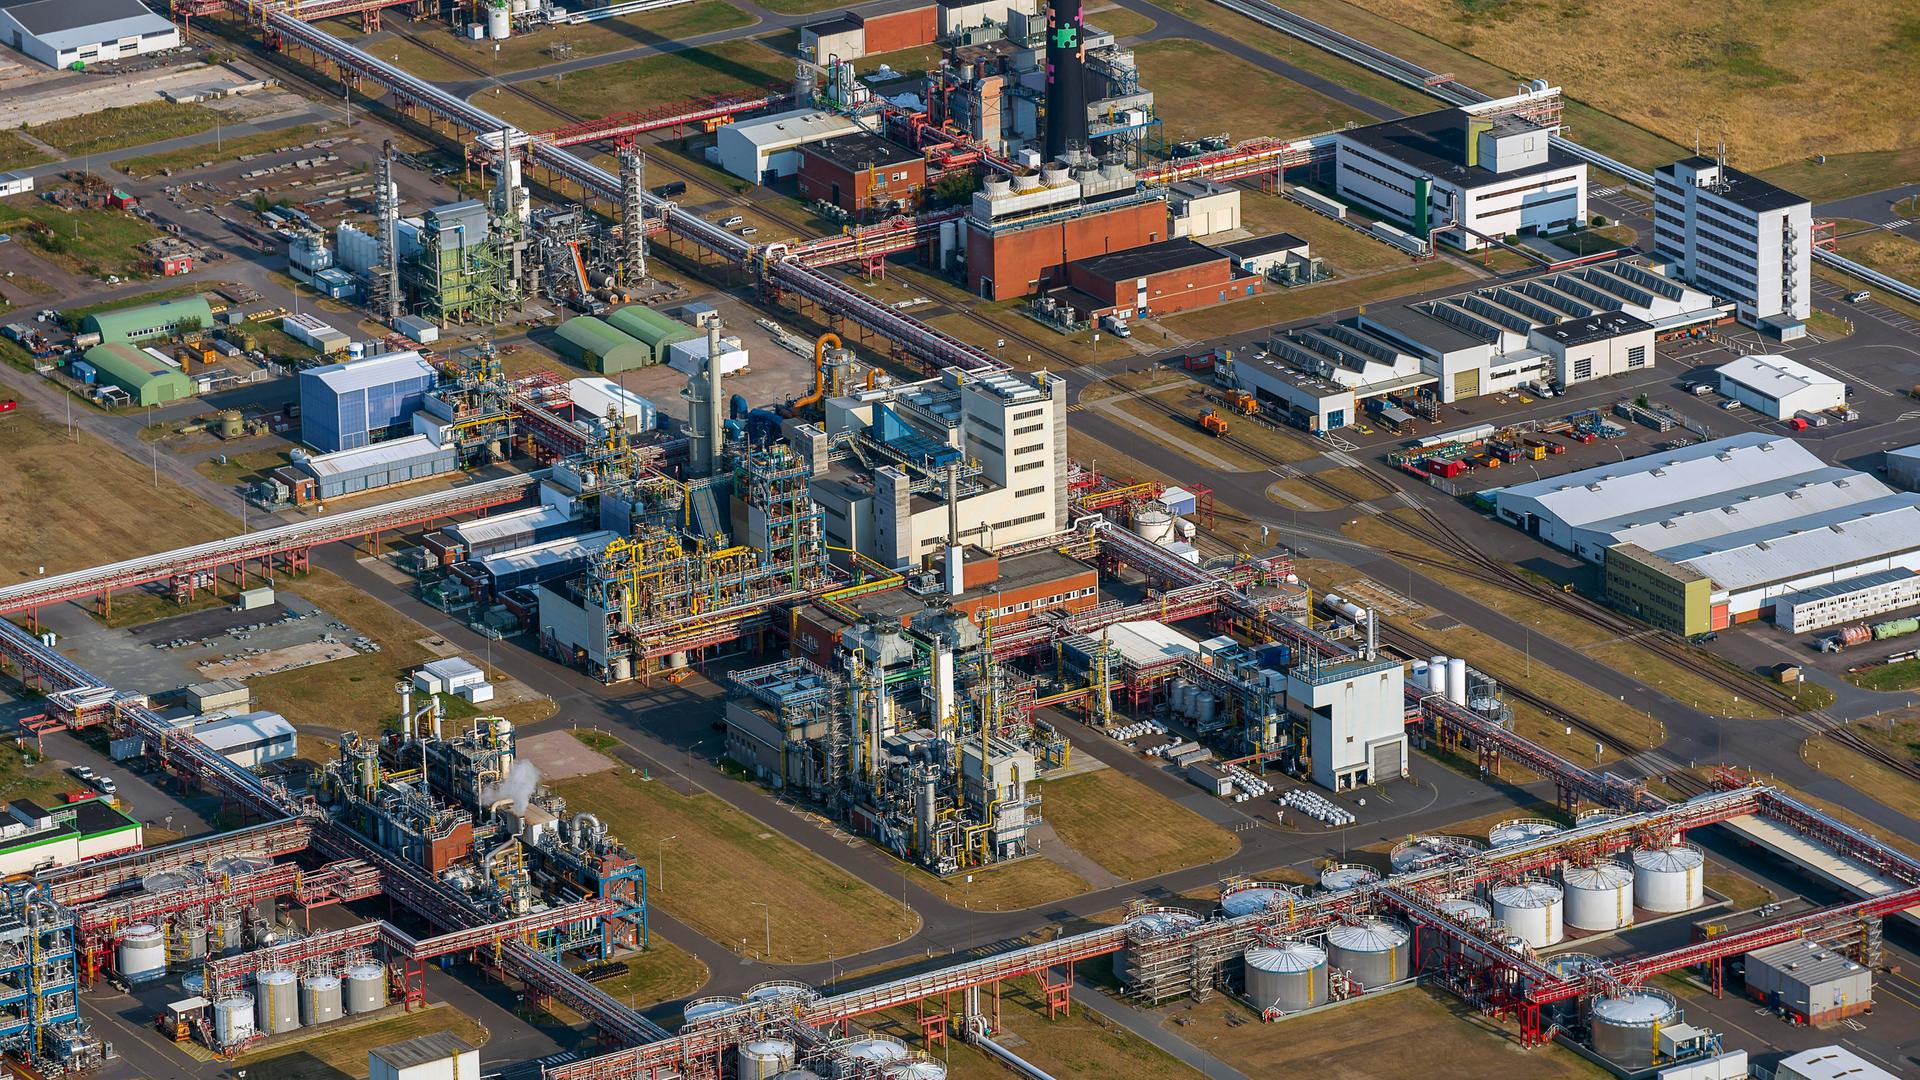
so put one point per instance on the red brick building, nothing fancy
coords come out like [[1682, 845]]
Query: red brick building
[[863, 174], [1007, 261], [1158, 279]]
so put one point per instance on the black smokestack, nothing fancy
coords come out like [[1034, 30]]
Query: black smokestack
[[1066, 80]]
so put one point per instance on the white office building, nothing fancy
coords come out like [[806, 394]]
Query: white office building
[[1739, 237], [1355, 715], [769, 147], [1779, 387], [62, 33], [1490, 175]]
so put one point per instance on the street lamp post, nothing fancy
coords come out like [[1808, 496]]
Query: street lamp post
[[766, 922], [660, 861]]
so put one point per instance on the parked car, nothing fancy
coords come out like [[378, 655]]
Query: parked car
[[80, 772], [1860, 297], [105, 785], [1731, 405]]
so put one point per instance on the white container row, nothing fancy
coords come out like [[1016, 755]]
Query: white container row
[[1318, 807]]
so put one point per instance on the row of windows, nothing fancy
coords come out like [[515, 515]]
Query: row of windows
[[1030, 448], [1029, 414], [978, 422], [1379, 161], [1029, 429], [1483, 214], [1010, 522], [1030, 466], [1024, 492], [1728, 247], [1043, 604], [1388, 184], [1523, 188]]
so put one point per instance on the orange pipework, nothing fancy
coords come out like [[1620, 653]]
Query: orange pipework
[[819, 370]]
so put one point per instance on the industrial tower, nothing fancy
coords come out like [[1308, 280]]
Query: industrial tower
[[633, 223], [1066, 79], [383, 288]]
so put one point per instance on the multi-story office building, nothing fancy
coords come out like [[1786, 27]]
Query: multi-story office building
[[1739, 237]]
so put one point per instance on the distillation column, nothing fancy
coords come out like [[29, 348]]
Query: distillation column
[[633, 225], [385, 282]]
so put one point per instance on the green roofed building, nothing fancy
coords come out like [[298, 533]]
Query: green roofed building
[[593, 344], [652, 329], [149, 321], [146, 380]]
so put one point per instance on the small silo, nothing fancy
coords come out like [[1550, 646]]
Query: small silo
[[1254, 897], [1421, 852], [1347, 876], [366, 988], [1669, 878], [1599, 897], [1154, 524], [1290, 976], [1569, 965], [1625, 1025], [276, 999], [1375, 951], [143, 953], [1532, 910], [187, 940], [764, 1059], [919, 1067], [1145, 927], [319, 999], [1465, 909], [779, 988], [1521, 831], [701, 1008], [233, 1019], [223, 932]]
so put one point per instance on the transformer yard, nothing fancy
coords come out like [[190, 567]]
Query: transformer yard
[[826, 576]]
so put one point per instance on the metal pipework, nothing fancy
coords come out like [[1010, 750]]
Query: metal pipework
[[820, 347]]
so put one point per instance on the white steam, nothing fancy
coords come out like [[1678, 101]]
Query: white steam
[[521, 782]]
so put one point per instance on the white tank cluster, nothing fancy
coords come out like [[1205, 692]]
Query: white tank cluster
[[1347, 876], [1192, 702], [869, 1054], [701, 1008], [320, 999], [1669, 878], [1344, 608], [276, 996], [1534, 911], [1375, 951], [1290, 976], [1318, 807], [1442, 675], [764, 1059], [1599, 897]]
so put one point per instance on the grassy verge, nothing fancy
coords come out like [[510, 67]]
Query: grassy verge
[[715, 69], [1846, 174], [1287, 305], [1128, 828], [722, 862], [129, 125], [1890, 253], [1009, 887], [1345, 249], [242, 468], [333, 1052], [914, 61], [18, 153], [1829, 327], [1120, 22], [94, 242], [73, 316], [25, 775], [1199, 90], [1904, 675], [230, 149], [550, 44], [1741, 891], [1595, 241], [661, 973], [152, 603], [1303, 56], [1865, 775]]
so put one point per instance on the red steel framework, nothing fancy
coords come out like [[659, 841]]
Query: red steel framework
[[89, 881], [716, 108]]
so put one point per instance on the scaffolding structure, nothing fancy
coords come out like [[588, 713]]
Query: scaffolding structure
[[39, 972]]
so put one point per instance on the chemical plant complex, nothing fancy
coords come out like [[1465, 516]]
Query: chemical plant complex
[[686, 539]]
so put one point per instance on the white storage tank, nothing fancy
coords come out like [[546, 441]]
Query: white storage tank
[[764, 1059], [1457, 680], [1375, 951], [1669, 878], [1153, 524], [276, 998], [1625, 1025], [1253, 897], [1147, 926], [1531, 909], [700, 1008], [233, 1019], [1290, 976], [1347, 876], [1465, 909], [1521, 831], [143, 953], [1421, 852], [187, 940], [1437, 674], [778, 988], [366, 988], [919, 1066], [869, 1054], [499, 21], [1595, 816], [319, 999], [1599, 897]]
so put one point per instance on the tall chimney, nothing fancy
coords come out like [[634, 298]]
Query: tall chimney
[[956, 559], [716, 397], [1066, 80]]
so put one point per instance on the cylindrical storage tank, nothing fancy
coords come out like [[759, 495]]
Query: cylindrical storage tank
[[233, 424], [319, 999], [1465, 909], [1437, 674], [1204, 705], [1595, 816], [1624, 1025], [869, 1053], [1255, 897], [1290, 976], [1531, 909], [701, 1008], [1599, 897], [1457, 680], [1521, 831], [1417, 676], [233, 1019], [1421, 852], [1154, 525], [1347, 876], [223, 933], [499, 22], [366, 988], [778, 988], [1569, 964], [1376, 952], [764, 1059], [921, 1067], [1669, 878], [187, 936], [1146, 926], [276, 998], [143, 953]]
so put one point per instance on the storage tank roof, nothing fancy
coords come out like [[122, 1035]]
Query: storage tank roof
[[1668, 860], [1606, 875], [1286, 957], [1527, 894], [1251, 899], [1633, 1007], [1372, 935]]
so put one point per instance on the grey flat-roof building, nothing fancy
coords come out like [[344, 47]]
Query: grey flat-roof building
[[65, 33], [1808, 981]]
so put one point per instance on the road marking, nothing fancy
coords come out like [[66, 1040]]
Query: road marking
[[1892, 225], [1075, 407], [1856, 379], [1601, 193]]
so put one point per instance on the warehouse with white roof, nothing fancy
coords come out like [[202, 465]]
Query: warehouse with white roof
[[768, 147], [62, 33], [1778, 387]]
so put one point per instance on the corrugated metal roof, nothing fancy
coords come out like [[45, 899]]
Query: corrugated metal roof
[[424, 1050], [243, 729], [115, 325], [1144, 641], [553, 551], [649, 327], [1805, 962], [133, 368], [96, 33], [1794, 548], [1831, 1063], [487, 529], [589, 334], [1848, 586], [1774, 376], [392, 452], [1666, 478], [382, 370], [1721, 513]]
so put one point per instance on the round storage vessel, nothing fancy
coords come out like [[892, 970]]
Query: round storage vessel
[[166, 881], [700, 1008], [764, 1059], [1599, 897], [1145, 927], [319, 999], [1465, 909], [1532, 910], [1347, 876], [143, 953], [233, 1019], [1623, 1025], [1421, 852], [1154, 525], [187, 941], [767, 991], [366, 988], [1669, 878], [1569, 964], [1255, 897], [921, 1067], [1595, 816], [1290, 976], [223, 933], [276, 999], [870, 1053], [194, 982], [1521, 830], [1375, 951]]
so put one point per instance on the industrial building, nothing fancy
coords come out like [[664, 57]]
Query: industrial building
[[1778, 387], [610, 403], [1903, 467], [251, 740], [34, 837], [1022, 231], [1201, 208], [145, 380], [1738, 237], [852, 35], [1848, 600], [1353, 737], [369, 468], [1263, 255], [1828, 1063], [485, 536], [597, 346], [165, 319], [864, 175], [62, 34], [652, 329], [315, 333], [1464, 176], [1811, 983], [768, 147], [1154, 280], [350, 405], [442, 1055]]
